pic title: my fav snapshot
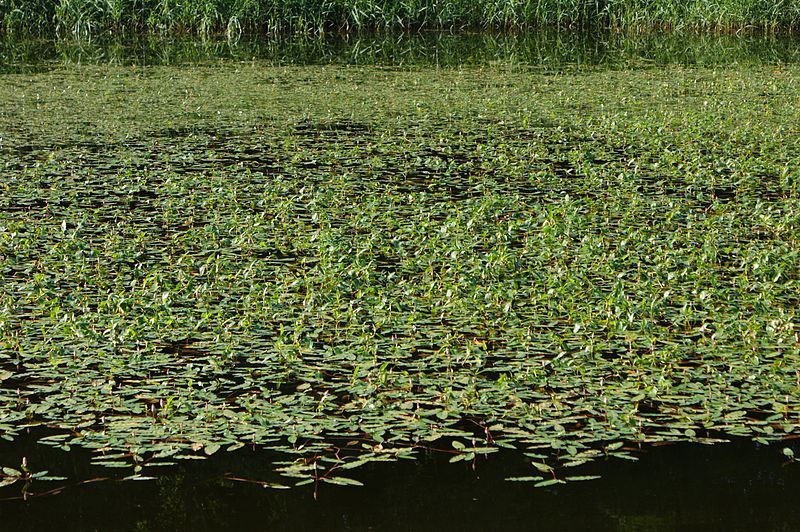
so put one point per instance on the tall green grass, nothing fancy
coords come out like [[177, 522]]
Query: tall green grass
[[322, 16]]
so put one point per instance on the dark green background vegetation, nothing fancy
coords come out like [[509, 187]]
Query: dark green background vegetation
[[85, 17]]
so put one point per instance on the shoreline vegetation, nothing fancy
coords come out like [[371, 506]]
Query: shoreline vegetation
[[236, 17]]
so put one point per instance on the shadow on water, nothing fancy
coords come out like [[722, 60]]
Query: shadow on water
[[735, 486], [544, 48]]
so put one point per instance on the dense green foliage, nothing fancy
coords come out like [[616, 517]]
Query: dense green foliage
[[234, 16], [349, 263]]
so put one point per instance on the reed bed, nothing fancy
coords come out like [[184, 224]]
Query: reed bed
[[233, 17]]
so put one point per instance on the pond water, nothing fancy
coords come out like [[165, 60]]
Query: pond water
[[736, 486], [322, 263], [553, 49]]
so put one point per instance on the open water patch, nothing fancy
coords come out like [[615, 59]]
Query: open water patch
[[735, 486]]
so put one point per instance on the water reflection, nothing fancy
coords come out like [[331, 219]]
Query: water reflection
[[541, 48]]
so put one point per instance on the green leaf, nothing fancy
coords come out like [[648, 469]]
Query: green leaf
[[275, 486], [342, 481], [551, 482], [112, 463], [625, 456], [544, 468]]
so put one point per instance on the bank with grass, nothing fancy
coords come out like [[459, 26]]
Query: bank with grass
[[88, 17]]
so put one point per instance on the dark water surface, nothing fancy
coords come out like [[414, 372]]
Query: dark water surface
[[735, 486], [544, 48]]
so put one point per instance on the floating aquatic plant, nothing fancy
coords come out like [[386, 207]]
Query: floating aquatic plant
[[350, 264]]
